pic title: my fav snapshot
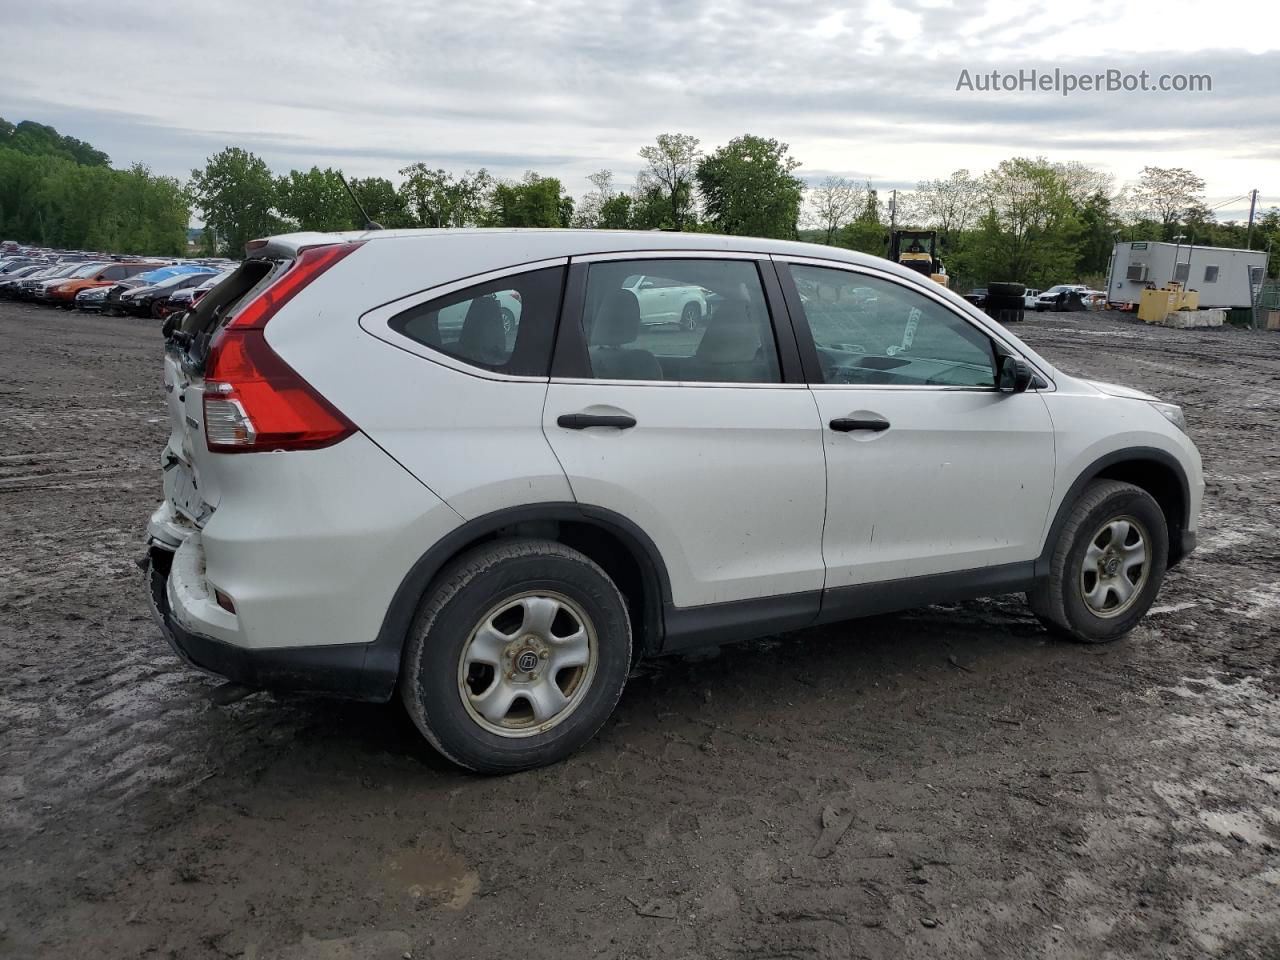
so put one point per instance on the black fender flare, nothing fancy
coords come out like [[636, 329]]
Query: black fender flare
[[382, 658], [1177, 545]]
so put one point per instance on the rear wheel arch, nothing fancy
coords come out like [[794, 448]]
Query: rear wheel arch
[[1157, 472], [615, 543]]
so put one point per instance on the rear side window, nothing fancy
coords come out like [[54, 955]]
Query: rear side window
[[505, 325]]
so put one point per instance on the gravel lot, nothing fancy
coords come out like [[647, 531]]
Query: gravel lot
[[1006, 795]]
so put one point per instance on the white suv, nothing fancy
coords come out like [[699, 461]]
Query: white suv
[[664, 300], [493, 519]]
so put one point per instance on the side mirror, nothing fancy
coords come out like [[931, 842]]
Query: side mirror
[[1015, 375]]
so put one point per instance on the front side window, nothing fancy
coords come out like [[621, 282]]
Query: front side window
[[698, 321], [505, 325], [872, 331]]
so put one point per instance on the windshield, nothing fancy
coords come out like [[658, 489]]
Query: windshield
[[87, 269]]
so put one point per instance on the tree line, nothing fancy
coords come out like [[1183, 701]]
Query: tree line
[[1028, 219], [61, 192]]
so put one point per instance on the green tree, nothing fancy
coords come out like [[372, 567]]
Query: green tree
[[834, 202], [316, 200], [436, 198], [615, 213], [534, 201], [1165, 196], [671, 163], [40, 140], [867, 232], [381, 201], [1266, 236], [748, 188], [151, 213], [588, 214], [1029, 231], [949, 206], [236, 195], [1099, 226]]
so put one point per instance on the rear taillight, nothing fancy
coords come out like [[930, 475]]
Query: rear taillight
[[253, 400]]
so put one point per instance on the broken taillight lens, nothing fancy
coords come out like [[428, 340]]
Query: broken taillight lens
[[253, 400]]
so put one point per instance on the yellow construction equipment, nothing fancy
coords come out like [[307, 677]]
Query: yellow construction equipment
[[918, 250], [1156, 304]]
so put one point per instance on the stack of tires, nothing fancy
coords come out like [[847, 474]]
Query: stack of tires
[[1005, 302]]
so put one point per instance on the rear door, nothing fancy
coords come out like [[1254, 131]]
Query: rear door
[[931, 470], [706, 439]]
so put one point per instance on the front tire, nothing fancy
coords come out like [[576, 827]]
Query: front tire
[[518, 655], [1107, 565]]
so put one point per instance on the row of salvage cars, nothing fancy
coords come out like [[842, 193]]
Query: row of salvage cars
[[140, 288]]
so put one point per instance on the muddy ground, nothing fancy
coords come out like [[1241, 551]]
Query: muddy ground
[[1011, 796]]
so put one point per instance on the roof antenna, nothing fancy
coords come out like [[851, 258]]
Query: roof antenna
[[368, 223]]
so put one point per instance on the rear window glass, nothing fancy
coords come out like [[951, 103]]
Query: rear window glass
[[505, 325]]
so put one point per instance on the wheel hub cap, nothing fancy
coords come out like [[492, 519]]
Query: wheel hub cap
[[528, 664], [1115, 567], [527, 661]]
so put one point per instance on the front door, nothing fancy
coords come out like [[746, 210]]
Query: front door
[[931, 469]]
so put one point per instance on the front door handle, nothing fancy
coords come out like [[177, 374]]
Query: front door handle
[[580, 421], [846, 424]]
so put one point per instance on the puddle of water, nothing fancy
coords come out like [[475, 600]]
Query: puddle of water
[[433, 873]]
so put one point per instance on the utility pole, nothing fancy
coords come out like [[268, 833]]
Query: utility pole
[[1253, 204], [893, 212]]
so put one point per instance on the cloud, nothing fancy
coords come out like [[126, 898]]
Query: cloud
[[864, 89]]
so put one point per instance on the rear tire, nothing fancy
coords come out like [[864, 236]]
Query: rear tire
[[481, 676], [1107, 565]]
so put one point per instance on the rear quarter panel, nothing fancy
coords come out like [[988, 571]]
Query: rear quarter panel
[[476, 442]]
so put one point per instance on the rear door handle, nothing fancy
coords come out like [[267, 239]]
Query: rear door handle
[[580, 421], [846, 424]]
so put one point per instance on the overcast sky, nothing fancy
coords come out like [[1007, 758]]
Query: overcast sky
[[864, 89]]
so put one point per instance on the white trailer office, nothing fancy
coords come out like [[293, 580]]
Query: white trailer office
[[1221, 275]]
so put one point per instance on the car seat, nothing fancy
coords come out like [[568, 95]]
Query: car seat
[[482, 337], [617, 323], [731, 350]]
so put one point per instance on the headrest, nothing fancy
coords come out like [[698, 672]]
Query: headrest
[[731, 337], [482, 335], [617, 321]]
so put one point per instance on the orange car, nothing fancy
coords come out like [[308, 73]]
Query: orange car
[[64, 294]]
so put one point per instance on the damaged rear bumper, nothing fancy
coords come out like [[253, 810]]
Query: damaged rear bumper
[[355, 671]]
